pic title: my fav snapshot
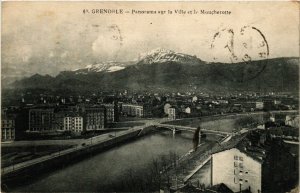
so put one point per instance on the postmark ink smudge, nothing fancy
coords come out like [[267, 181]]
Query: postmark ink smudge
[[245, 50]]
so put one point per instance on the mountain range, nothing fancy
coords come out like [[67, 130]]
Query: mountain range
[[162, 69]]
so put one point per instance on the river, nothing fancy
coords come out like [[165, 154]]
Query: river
[[109, 170], [118, 168]]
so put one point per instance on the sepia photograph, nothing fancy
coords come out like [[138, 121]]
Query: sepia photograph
[[167, 97]]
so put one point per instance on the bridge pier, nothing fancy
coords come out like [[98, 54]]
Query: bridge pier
[[199, 137], [174, 132]]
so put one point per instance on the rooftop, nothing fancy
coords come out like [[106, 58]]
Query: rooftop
[[247, 143]]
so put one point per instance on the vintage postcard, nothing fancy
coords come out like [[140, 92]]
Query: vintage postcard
[[150, 97]]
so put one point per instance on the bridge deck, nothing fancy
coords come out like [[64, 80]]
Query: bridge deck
[[186, 128]]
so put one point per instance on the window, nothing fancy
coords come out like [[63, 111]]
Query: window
[[241, 181], [235, 180], [236, 157], [246, 180], [241, 165], [235, 164], [241, 158]]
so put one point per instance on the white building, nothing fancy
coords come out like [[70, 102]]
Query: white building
[[188, 110], [73, 124], [172, 114], [237, 170], [7, 129], [292, 120], [166, 108], [277, 102], [259, 105], [194, 99], [133, 110]]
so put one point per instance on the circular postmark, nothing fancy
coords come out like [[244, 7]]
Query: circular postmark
[[245, 50]]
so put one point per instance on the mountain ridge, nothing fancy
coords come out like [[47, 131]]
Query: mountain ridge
[[279, 74]]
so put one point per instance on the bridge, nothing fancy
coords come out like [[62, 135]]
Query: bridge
[[176, 128]]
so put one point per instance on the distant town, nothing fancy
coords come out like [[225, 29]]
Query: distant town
[[265, 136], [48, 115]]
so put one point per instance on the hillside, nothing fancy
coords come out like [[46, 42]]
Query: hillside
[[279, 74]]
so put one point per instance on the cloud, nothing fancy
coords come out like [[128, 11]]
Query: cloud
[[62, 36], [108, 43]]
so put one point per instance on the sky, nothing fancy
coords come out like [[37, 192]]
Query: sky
[[48, 37]]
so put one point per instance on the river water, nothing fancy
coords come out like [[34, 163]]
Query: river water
[[106, 170]]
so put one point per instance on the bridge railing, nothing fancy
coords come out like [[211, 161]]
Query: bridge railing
[[191, 128]]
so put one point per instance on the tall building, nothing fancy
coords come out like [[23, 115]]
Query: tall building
[[237, 169], [255, 162], [172, 113], [59, 120], [73, 123], [147, 110], [94, 118], [41, 120], [7, 128], [112, 113], [133, 110]]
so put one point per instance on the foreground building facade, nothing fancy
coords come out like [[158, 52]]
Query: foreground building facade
[[256, 163], [237, 170]]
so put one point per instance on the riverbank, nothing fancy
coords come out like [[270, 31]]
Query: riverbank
[[21, 171], [217, 122], [125, 167], [12, 155]]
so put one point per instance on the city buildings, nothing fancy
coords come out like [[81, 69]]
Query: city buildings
[[137, 110], [41, 112], [133, 110], [41, 120]]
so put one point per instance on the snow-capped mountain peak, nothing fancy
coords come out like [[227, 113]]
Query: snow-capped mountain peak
[[161, 55], [109, 66]]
